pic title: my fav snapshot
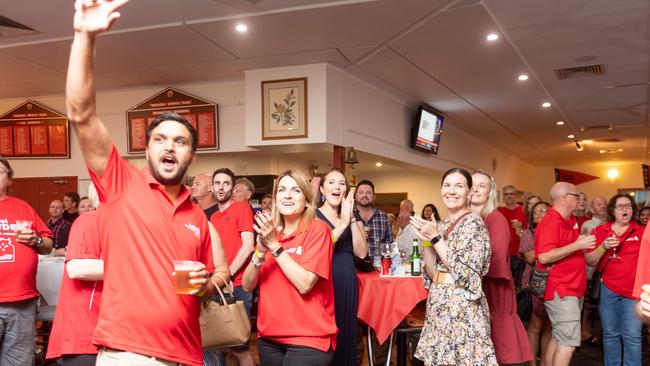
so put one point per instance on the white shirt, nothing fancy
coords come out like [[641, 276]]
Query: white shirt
[[405, 238]]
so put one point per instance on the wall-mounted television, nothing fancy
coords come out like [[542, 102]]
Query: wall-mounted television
[[426, 129]]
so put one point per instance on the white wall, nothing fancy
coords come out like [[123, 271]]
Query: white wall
[[316, 102], [378, 122]]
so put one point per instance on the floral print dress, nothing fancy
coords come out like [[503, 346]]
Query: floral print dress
[[457, 325]]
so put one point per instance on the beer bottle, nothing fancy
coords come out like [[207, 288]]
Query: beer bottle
[[416, 260]]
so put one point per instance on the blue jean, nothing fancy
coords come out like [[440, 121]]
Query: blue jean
[[619, 322], [17, 332]]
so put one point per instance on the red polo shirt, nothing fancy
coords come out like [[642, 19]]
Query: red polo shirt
[[230, 223], [287, 317], [141, 232], [618, 273], [18, 262], [78, 308], [643, 265], [516, 213], [568, 276]]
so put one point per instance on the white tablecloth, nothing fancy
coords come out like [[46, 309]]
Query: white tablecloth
[[48, 277]]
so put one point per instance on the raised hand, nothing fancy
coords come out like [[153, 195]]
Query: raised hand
[[424, 229], [347, 207], [96, 16], [266, 231]]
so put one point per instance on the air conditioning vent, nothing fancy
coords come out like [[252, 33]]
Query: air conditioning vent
[[579, 71], [608, 140], [596, 128]]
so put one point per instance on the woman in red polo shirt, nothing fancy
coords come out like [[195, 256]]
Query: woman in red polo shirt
[[293, 266], [616, 256]]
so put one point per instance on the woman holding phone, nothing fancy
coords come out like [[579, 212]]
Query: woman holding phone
[[293, 267]]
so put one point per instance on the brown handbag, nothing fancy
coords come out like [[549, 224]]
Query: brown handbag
[[224, 325]]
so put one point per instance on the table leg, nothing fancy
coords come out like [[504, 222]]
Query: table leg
[[370, 357], [390, 349]]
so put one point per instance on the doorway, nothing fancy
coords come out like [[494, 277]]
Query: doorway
[[39, 192]]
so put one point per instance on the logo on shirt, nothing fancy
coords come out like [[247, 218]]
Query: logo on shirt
[[194, 229], [632, 238], [575, 226], [296, 250], [7, 251]]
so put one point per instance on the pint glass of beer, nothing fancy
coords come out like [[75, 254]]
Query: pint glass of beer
[[182, 269]]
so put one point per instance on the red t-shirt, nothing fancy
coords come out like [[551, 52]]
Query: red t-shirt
[[498, 229], [141, 232], [618, 273], [230, 223], [78, 307], [516, 213], [287, 317], [18, 262], [643, 265], [568, 277]]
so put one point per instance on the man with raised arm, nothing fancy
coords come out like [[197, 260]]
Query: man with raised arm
[[150, 220]]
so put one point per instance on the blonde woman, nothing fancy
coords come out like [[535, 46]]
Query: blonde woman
[[293, 267]]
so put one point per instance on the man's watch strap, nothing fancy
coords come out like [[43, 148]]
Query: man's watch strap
[[277, 252], [38, 243]]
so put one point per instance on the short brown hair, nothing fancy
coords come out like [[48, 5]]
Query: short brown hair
[[10, 172], [247, 182]]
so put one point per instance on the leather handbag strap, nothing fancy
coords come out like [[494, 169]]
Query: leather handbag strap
[[227, 285], [453, 225]]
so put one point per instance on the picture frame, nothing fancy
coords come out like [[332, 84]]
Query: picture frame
[[284, 109]]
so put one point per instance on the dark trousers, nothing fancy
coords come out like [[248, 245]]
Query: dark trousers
[[276, 354], [77, 360], [517, 267]]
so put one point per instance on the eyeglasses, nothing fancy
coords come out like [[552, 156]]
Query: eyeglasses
[[573, 194], [4, 172], [623, 207]]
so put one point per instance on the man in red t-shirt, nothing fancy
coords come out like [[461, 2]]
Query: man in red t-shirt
[[19, 247], [559, 246], [517, 219], [234, 223], [148, 220]]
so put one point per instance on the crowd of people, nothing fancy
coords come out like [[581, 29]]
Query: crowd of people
[[299, 250]]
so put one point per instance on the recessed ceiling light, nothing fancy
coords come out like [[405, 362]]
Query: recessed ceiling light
[[523, 77], [492, 37], [560, 123], [571, 137], [241, 28], [587, 141], [379, 164], [546, 105]]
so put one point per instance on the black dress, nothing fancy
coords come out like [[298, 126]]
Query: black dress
[[344, 279]]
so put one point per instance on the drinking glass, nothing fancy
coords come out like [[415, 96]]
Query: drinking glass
[[614, 250], [182, 269]]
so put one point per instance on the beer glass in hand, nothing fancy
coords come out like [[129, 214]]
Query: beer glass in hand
[[182, 269]]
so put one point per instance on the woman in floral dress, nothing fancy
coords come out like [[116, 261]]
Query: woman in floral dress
[[457, 255]]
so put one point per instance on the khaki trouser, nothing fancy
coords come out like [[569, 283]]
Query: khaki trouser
[[112, 357]]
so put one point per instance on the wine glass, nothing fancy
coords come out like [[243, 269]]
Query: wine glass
[[385, 249]]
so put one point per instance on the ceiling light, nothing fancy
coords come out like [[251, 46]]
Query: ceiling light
[[587, 142], [379, 164], [612, 174], [560, 123], [523, 77], [546, 105], [492, 37], [579, 147], [603, 151], [571, 137], [241, 28]]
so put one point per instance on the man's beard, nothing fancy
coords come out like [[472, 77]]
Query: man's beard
[[364, 205], [172, 181], [227, 197]]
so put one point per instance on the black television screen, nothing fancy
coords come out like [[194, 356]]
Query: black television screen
[[426, 130]]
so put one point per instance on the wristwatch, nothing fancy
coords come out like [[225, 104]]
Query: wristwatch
[[435, 239], [277, 252], [38, 243]]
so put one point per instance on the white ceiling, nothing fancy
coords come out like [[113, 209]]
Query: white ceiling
[[430, 51]]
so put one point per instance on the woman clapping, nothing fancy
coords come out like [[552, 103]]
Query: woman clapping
[[457, 255], [293, 266]]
